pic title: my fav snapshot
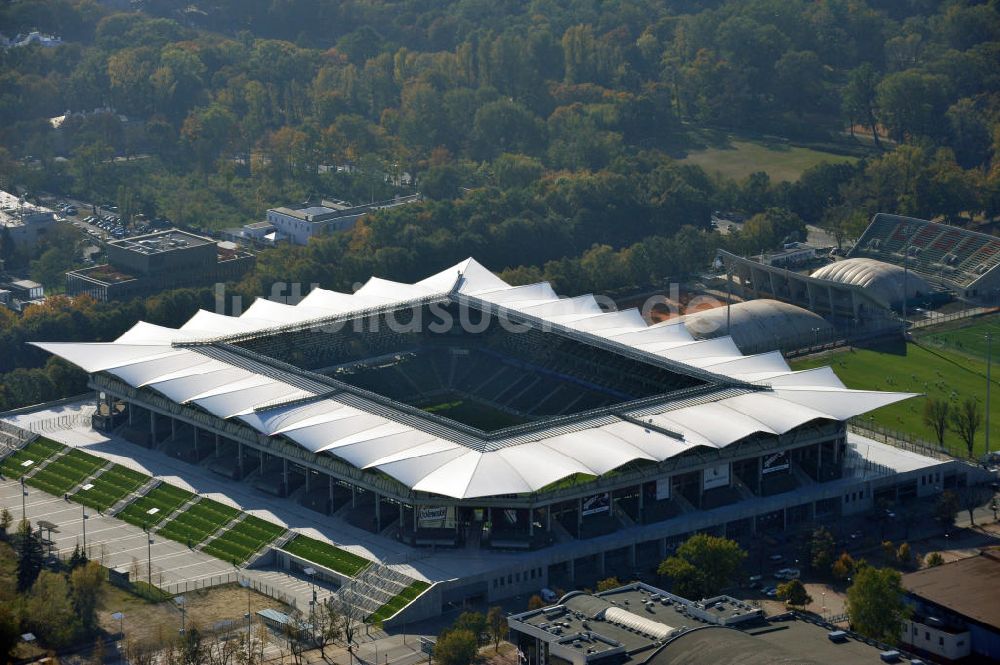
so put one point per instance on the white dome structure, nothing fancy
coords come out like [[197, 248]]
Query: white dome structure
[[883, 279], [759, 325]]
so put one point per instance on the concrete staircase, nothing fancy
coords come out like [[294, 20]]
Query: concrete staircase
[[45, 462], [221, 530], [91, 478], [123, 503], [801, 477], [180, 509], [623, 517], [277, 544], [560, 533], [372, 588], [682, 503], [740, 486]]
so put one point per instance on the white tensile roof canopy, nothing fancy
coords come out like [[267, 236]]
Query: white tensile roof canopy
[[749, 395]]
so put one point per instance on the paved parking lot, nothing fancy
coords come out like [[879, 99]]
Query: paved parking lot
[[114, 543]]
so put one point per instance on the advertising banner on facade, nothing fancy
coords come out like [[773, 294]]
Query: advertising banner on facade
[[662, 489], [775, 462], [436, 517], [598, 503], [715, 476]]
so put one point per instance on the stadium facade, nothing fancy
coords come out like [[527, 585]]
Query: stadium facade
[[461, 411]]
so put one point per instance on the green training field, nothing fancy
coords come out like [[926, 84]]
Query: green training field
[[326, 555], [935, 372], [742, 157], [243, 540], [398, 602], [38, 450], [110, 487], [966, 337], [65, 473], [198, 522], [165, 498]]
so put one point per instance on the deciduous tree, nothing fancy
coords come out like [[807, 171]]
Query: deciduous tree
[[497, 625], [965, 421], [875, 603], [794, 593], [456, 647], [703, 565], [935, 415], [821, 549]]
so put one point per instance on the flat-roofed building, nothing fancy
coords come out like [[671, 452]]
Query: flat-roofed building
[[298, 224], [24, 222], [158, 261], [956, 613], [638, 623]]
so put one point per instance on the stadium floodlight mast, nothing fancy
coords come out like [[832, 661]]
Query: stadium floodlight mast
[[906, 259], [989, 362]]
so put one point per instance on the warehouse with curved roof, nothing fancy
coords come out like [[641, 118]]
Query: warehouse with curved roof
[[760, 325], [884, 279]]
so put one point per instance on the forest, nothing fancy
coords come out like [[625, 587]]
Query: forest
[[548, 137]]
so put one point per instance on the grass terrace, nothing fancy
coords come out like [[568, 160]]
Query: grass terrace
[[243, 540], [326, 555], [110, 487], [165, 498], [198, 522], [38, 450], [65, 473], [399, 601]]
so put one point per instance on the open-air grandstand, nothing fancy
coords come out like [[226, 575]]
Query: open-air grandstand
[[486, 438], [966, 262]]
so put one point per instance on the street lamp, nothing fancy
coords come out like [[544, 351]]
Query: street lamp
[[181, 600], [121, 632], [311, 572], [149, 555], [84, 523], [245, 583], [24, 493]]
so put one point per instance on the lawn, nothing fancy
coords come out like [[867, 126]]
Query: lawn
[[243, 540], [38, 450], [110, 487], [198, 522], [398, 602], [326, 555], [742, 157], [165, 498], [934, 372], [967, 337], [65, 473]]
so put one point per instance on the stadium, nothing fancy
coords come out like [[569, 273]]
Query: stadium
[[496, 438]]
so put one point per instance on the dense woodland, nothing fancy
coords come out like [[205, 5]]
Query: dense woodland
[[545, 135]]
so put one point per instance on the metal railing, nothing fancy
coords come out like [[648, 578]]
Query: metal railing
[[906, 441], [934, 319]]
